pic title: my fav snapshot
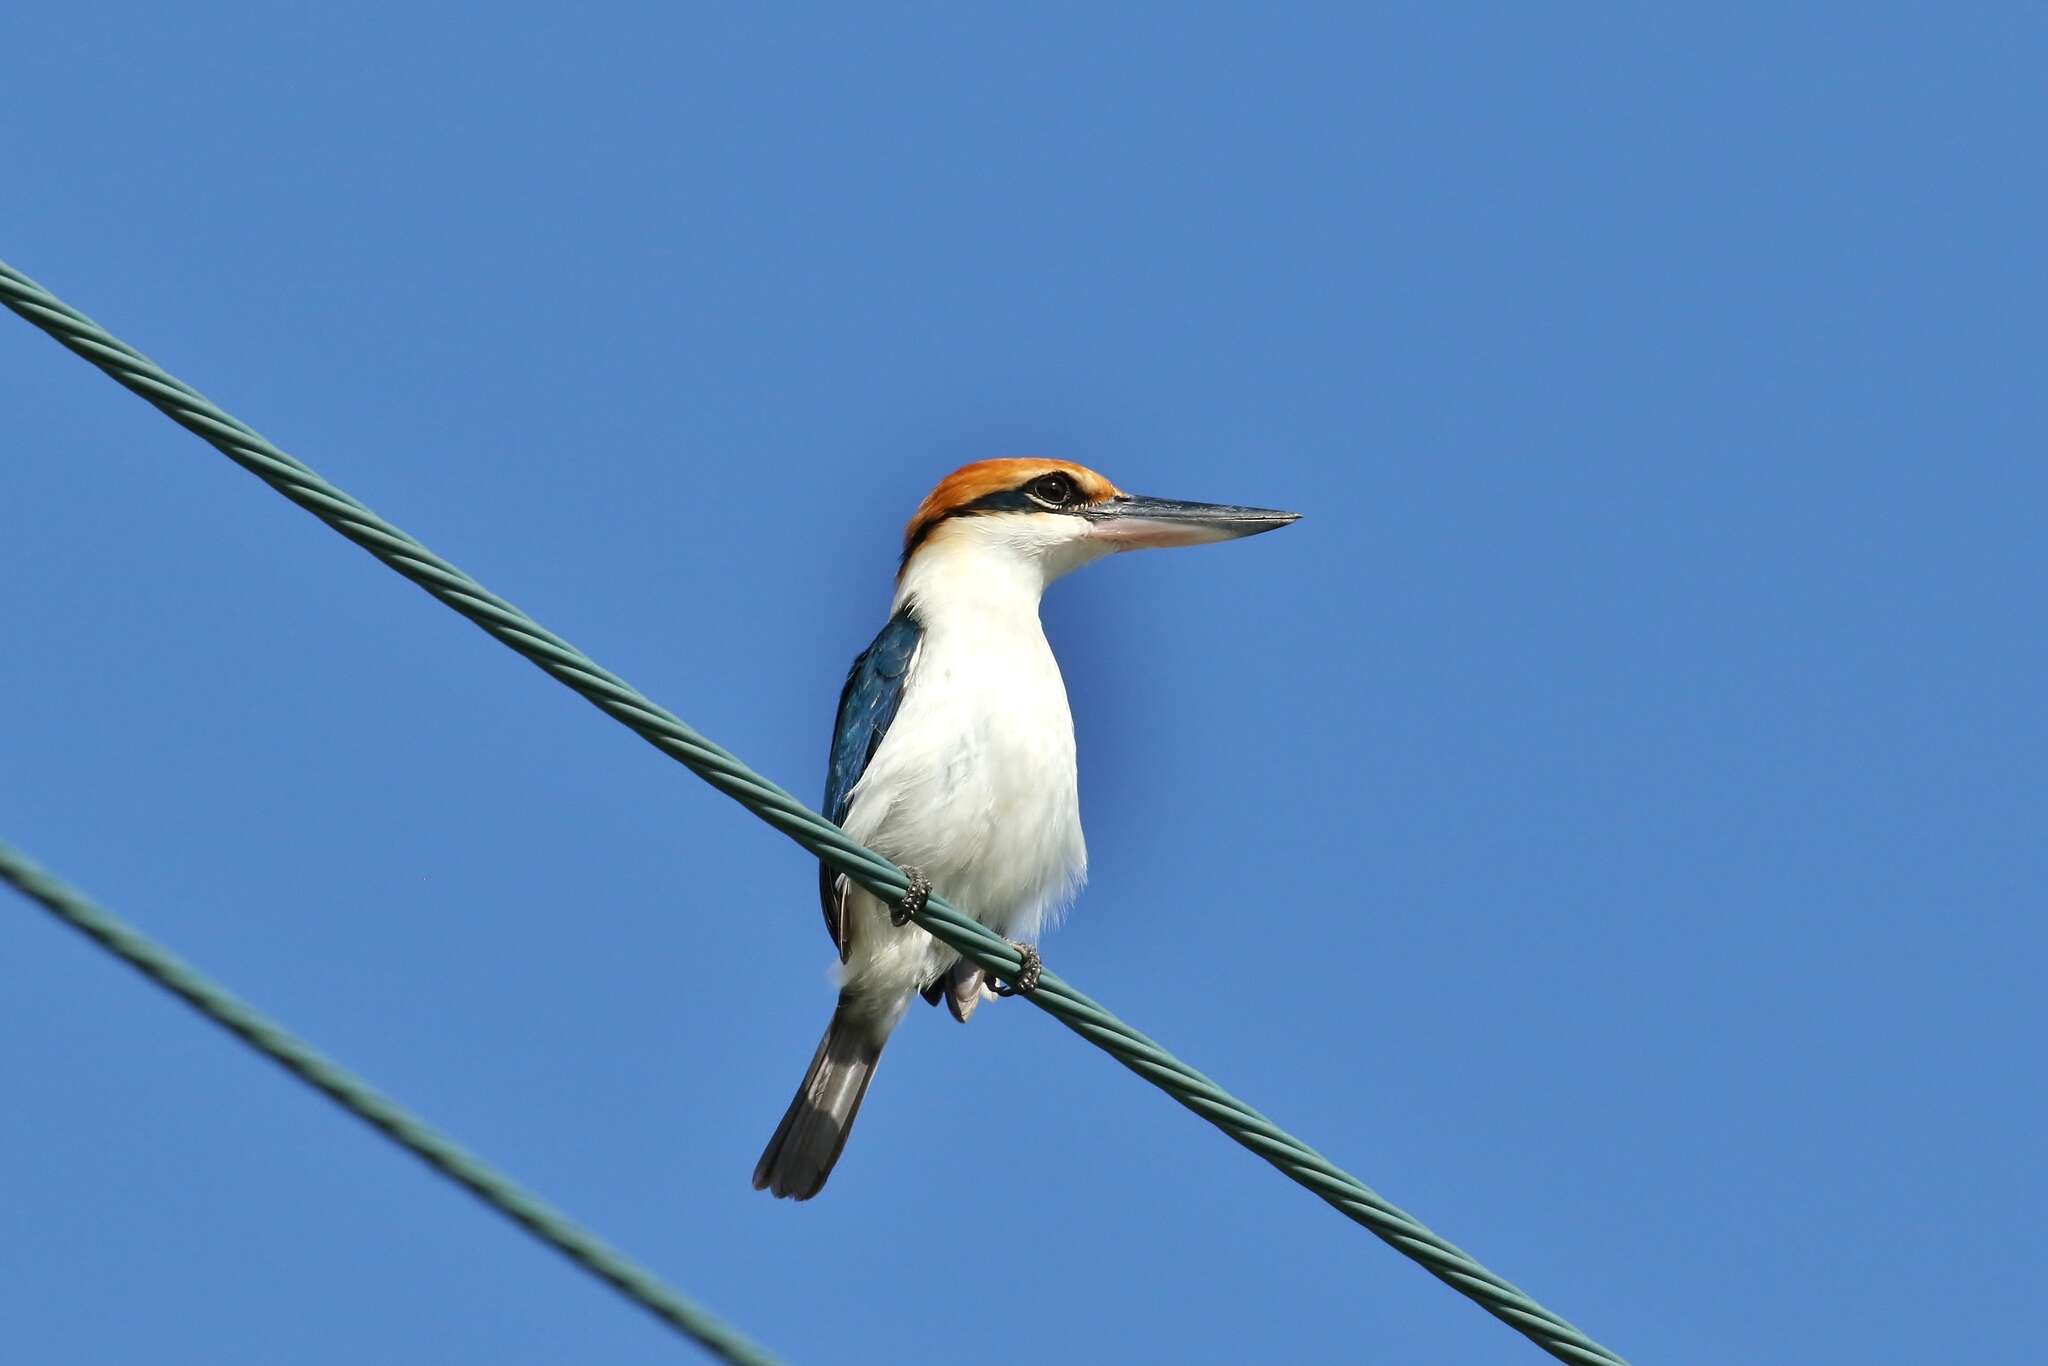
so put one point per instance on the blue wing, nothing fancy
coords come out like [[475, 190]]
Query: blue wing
[[868, 703]]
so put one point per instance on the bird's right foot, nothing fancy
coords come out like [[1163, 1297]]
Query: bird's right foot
[[914, 897], [1029, 968]]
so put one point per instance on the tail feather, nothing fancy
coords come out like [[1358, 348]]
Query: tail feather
[[813, 1130], [964, 989]]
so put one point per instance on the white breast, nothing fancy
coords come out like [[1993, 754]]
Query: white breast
[[974, 783]]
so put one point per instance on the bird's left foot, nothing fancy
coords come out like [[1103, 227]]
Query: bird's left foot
[[914, 897], [1028, 972]]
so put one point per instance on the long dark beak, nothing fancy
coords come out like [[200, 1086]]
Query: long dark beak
[[1129, 522]]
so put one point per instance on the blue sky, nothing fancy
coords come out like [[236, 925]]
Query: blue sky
[[1610, 823]]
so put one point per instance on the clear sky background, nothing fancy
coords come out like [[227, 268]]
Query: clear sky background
[[1610, 823]]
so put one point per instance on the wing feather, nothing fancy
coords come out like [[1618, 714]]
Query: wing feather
[[867, 706]]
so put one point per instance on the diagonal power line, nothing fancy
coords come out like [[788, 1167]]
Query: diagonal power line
[[660, 728], [360, 1099]]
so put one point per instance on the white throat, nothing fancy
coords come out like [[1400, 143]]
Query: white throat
[[993, 564]]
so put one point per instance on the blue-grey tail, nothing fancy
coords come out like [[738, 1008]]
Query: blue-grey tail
[[813, 1131]]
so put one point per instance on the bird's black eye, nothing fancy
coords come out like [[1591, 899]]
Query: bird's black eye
[[1055, 489]]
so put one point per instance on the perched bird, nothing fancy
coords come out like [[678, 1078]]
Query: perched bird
[[954, 757]]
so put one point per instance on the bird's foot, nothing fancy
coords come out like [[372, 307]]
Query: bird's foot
[[914, 897], [1028, 972]]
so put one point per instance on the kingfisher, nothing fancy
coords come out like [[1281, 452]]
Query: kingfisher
[[953, 757]]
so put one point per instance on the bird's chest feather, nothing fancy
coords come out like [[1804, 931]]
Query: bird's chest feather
[[975, 782]]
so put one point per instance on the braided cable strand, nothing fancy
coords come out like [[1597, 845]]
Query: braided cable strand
[[357, 1097], [612, 695]]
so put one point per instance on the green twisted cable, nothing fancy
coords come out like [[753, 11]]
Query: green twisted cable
[[605, 690], [360, 1099]]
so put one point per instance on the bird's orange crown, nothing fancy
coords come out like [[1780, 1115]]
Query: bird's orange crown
[[961, 490]]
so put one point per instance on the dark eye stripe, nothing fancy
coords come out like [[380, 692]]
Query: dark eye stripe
[[1031, 497]]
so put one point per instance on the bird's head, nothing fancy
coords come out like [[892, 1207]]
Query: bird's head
[[1051, 517]]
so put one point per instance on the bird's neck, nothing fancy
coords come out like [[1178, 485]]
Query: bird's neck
[[961, 581]]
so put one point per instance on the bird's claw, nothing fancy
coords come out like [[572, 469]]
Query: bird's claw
[[1028, 972], [914, 898]]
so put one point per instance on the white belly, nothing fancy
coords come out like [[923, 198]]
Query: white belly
[[974, 784]]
